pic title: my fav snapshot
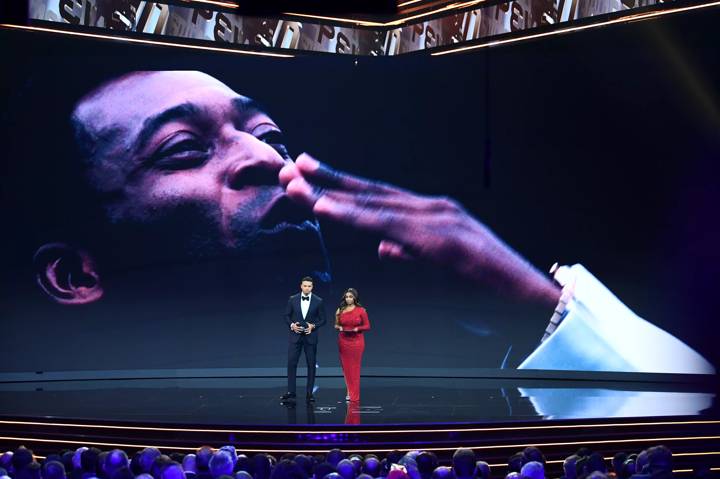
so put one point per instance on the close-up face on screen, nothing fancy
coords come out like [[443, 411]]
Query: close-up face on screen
[[165, 204]]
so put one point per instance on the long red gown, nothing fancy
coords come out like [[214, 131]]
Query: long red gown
[[352, 345]]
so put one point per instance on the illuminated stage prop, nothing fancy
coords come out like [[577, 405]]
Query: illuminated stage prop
[[440, 29]]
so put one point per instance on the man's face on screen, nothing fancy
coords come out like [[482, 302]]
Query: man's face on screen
[[185, 157]]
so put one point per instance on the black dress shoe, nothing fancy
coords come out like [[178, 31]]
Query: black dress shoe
[[310, 398], [288, 397]]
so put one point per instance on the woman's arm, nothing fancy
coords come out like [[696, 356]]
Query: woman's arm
[[337, 320], [365, 324]]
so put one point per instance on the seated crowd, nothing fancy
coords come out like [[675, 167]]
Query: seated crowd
[[226, 463]]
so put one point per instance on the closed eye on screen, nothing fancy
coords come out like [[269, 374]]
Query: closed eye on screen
[[276, 139], [181, 151]]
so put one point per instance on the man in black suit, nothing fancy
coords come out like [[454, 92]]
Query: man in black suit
[[304, 314]]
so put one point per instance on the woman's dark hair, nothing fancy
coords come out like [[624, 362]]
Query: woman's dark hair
[[343, 304]]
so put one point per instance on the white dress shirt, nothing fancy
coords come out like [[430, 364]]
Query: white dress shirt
[[305, 305], [597, 332]]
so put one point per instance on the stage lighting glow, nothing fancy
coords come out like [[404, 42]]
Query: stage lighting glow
[[624, 19]]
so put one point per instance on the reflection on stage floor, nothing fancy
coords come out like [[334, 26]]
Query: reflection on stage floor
[[385, 400]]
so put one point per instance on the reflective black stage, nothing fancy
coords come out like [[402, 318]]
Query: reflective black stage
[[385, 400]]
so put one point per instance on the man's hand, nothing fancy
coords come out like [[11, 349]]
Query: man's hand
[[310, 328], [295, 327], [416, 228]]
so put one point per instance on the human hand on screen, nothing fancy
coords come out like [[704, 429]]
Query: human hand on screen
[[415, 227], [309, 328], [295, 327]]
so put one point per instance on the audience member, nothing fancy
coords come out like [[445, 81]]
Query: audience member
[[221, 464], [426, 463], [100, 465], [482, 470], [135, 465], [89, 462], [628, 468], [115, 460], [570, 467], [443, 472], [371, 466], [335, 456], [531, 454], [515, 462], [659, 462], [595, 463], [533, 470], [172, 470], [346, 469], [617, 464], [261, 466], [189, 463], [202, 462], [357, 461], [641, 463], [147, 457], [160, 463], [6, 461], [53, 470], [463, 463], [21, 458]]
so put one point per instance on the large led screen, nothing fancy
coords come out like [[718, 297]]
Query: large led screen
[[161, 205]]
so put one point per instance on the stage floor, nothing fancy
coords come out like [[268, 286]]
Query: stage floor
[[385, 400]]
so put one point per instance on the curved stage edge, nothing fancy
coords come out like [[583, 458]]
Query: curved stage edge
[[180, 410]]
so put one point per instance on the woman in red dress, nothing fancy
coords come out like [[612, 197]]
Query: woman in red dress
[[351, 320]]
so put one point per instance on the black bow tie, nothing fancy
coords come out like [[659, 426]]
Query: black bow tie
[[306, 298]]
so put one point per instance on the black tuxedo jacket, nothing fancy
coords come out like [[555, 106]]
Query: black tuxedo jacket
[[315, 315]]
